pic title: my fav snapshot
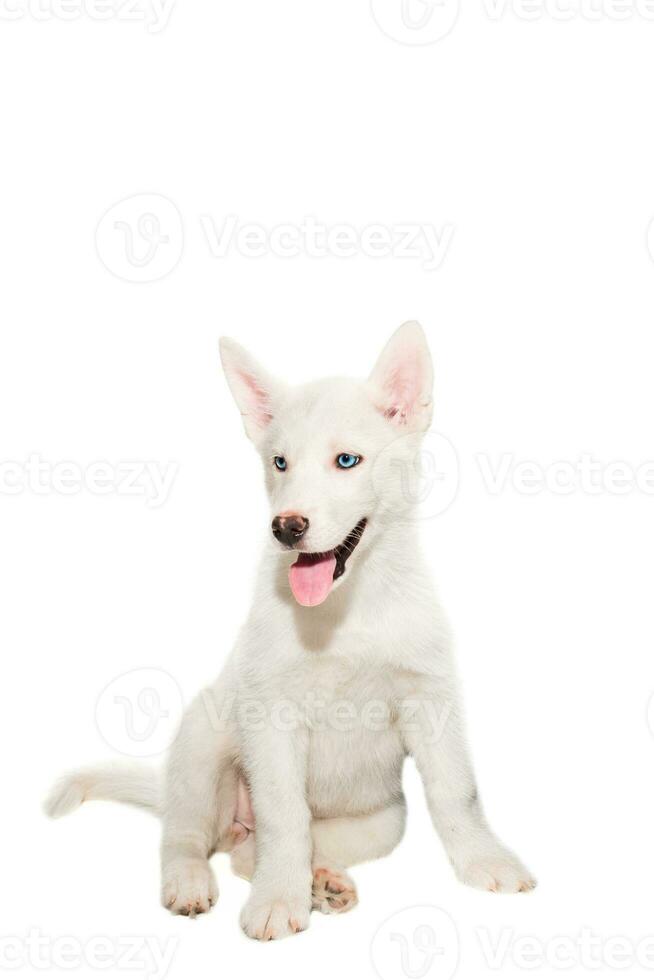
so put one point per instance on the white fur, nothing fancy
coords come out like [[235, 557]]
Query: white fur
[[325, 794]]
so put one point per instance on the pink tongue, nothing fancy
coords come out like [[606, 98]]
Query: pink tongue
[[311, 578]]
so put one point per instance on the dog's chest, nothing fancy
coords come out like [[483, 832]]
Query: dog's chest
[[355, 750]]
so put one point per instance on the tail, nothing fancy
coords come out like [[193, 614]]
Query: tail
[[132, 783]]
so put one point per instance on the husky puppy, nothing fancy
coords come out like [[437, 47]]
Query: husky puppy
[[293, 760]]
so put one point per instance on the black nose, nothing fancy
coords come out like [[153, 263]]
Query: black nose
[[289, 528]]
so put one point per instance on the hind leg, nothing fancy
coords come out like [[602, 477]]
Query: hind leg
[[242, 858], [340, 842], [199, 803]]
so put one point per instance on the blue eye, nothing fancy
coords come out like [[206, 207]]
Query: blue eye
[[346, 461], [280, 463]]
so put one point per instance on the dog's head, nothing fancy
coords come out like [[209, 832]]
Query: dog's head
[[336, 454]]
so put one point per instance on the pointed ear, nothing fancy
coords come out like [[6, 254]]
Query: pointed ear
[[255, 391], [402, 380]]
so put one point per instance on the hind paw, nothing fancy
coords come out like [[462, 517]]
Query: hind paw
[[189, 888], [332, 891]]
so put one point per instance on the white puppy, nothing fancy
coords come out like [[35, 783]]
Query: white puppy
[[293, 760]]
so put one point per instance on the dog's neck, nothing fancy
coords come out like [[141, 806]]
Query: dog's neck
[[384, 573]]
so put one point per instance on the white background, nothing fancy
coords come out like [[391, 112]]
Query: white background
[[531, 139]]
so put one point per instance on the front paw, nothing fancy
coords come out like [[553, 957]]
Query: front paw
[[497, 872], [274, 919], [188, 887]]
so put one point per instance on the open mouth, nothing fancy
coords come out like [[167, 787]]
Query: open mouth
[[312, 575]]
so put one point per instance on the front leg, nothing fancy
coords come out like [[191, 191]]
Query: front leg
[[433, 735], [275, 763], [197, 809]]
